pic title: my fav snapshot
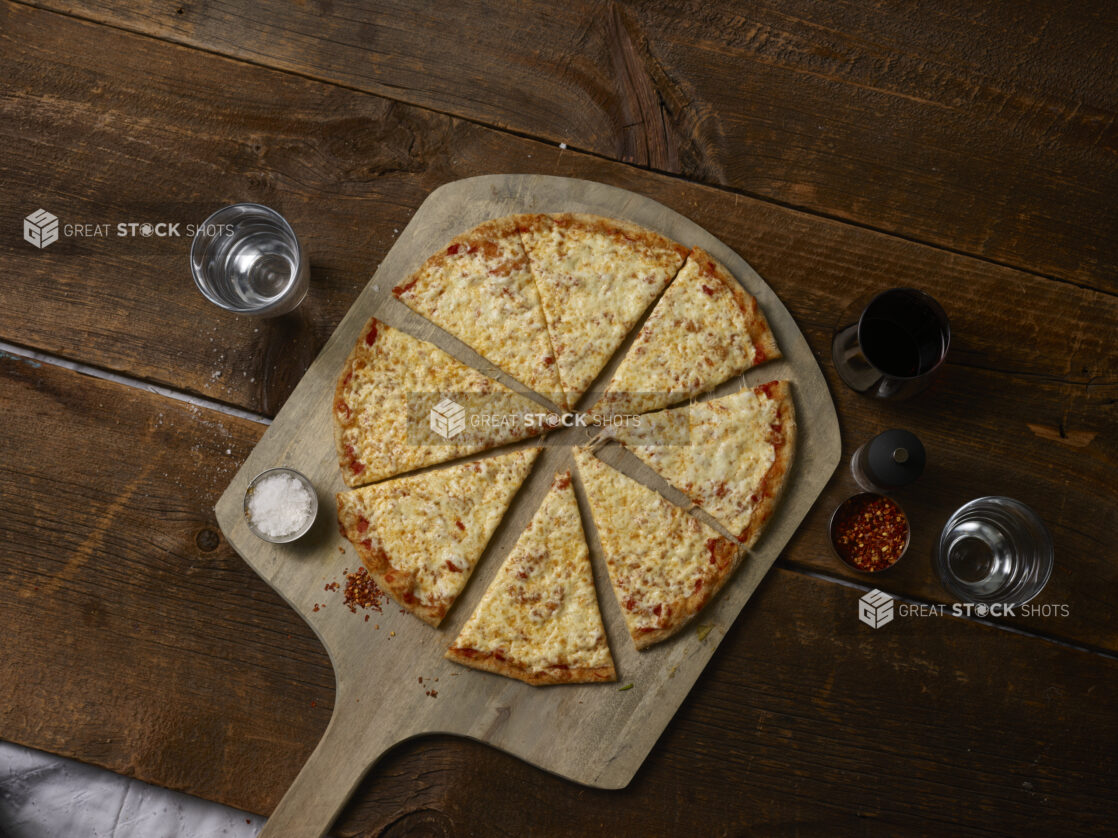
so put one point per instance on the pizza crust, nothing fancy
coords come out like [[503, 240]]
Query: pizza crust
[[757, 325], [488, 662], [784, 444]]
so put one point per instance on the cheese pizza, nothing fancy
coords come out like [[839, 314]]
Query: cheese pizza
[[539, 621], [705, 329], [391, 384], [480, 289], [596, 276], [664, 564], [421, 536], [737, 458]]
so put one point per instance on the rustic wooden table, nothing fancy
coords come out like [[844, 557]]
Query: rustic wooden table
[[967, 149]]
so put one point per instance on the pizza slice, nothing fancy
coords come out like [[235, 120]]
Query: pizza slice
[[705, 329], [402, 403], [480, 289], [665, 565], [737, 459], [420, 537], [539, 621], [596, 276]]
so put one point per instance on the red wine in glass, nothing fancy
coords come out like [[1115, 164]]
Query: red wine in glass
[[894, 345]]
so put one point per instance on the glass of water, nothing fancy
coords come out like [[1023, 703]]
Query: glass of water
[[994, 550], [246, 259]]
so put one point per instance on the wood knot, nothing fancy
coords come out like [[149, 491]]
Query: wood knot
[[429, 823], [207, 540]]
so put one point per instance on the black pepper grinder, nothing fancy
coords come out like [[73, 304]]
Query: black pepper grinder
[[887, 462]]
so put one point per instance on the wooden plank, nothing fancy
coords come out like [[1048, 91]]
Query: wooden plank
[[1030, 357], [341, 161], [987, 132], [802, 725], [133, 646]]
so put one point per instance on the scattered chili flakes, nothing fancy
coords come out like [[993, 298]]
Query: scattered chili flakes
[[331, 586], [432, 693], [869, 532], [362, 591]]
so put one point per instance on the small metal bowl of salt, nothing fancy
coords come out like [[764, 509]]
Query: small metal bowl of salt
[[280, 505]]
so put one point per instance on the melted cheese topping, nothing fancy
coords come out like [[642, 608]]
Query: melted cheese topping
[[695, 338], [595, 279], [729, 453], [436, 525], [480, 290], [541, 609], [657, 554], [397, 377]]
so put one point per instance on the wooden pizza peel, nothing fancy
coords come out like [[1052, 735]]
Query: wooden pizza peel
[[596, 734]]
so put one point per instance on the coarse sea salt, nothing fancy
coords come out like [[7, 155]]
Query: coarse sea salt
[[279, 505]]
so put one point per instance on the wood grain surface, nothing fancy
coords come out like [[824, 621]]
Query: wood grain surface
[[953, 138], [155, 653], [987, 130], [1031, 383]]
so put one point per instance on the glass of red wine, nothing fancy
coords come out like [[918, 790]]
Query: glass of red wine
[[891, 348]]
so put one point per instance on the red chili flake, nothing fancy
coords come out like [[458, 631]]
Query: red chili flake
[[460, 525], [362, 591], [453, 249], [708, 291], [362, 523], [870, 532]]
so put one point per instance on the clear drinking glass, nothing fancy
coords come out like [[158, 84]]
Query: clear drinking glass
[[890, 347], [247, 259], [994, 550]]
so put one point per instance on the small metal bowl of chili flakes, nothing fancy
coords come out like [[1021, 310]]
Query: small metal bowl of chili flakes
[[869, 532]]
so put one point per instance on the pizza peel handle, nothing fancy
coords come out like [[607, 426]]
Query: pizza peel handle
[[342, 757]]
